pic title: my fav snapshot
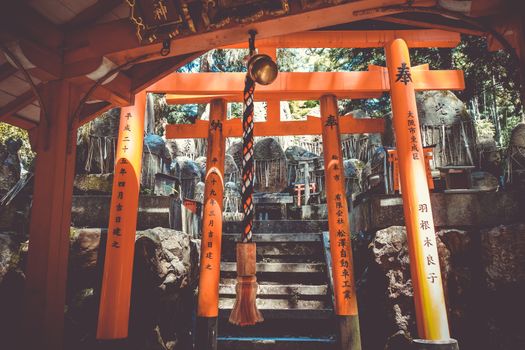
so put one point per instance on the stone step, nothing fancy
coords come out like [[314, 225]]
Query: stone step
[[279, 304], [277, 280], [286, 237], [264, 267], [278, 226], [291, 252], [280, 343], [288, 314], [288, 291]]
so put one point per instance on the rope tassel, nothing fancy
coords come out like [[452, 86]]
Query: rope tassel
[[245, 312]]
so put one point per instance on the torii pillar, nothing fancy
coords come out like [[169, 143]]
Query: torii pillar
[[50, 221], [115, 295], [339, 227], [431, 312], [210, 263]]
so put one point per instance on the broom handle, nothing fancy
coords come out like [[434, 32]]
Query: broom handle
[[247, 160]]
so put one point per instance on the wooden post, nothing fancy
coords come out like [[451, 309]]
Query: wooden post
[[210, 264], [115, 293], [51, 218], [339, 227], [306, 183], [430, 306]]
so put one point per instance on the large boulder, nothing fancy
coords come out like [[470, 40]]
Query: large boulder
[[387, 291], [297, 153], [155, 144], [270, 166], [447, 126], [165, 275], [156, 159], [294, 155], [438, 108], [189, 174], [182, 148], [503, 266], [83, 258], [235, 150], [490, 157]]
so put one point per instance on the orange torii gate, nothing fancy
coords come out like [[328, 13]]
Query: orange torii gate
[[220, 88]]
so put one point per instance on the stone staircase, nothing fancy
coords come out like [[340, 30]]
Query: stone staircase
[[293, 295]]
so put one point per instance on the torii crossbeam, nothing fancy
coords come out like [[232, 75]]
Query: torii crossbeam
[[204, 87]]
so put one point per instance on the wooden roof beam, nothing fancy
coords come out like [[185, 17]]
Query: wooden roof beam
[[120, 42], [357, 39]]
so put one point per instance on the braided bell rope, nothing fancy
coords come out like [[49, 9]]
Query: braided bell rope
[[247, 160]]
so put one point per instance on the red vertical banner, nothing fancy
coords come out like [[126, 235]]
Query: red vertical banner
[[424, 261], [338, 223], [115, 295], [210, 266]]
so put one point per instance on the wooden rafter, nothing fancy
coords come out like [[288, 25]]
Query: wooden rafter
[[8, 112], [92, 13], [433, 22], [357, 39], [6, 70], [19, 122], [145, 74], [92, 110]]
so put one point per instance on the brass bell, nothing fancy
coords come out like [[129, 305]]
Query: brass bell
[[262, 69]]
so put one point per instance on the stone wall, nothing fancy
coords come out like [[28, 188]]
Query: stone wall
[[93, 211]]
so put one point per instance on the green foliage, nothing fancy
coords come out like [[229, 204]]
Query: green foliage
[[492, 85], [236, 110], [8, 131], [485, 130]]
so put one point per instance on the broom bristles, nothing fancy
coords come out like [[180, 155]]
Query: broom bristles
[[245, 312]]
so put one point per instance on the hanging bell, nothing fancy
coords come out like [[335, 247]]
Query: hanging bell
[[262, 69]]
